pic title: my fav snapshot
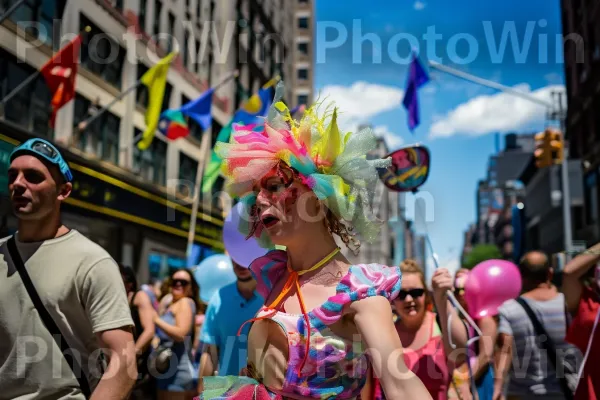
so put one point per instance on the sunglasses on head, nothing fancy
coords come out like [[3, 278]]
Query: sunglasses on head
[[414, 293], [180, 282], [46, 150]]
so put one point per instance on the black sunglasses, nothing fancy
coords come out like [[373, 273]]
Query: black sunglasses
[[180, 282], [414, 293], [44, 149]]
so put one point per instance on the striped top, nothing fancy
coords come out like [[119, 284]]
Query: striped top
[[532, 372]]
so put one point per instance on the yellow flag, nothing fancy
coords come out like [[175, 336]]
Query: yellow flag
[[156, 80]]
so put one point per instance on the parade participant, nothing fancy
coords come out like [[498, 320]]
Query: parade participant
[[327, 325], [538, 377], [223, 350], [142, 313], [427, 349], [481, 352], [581, 286], [175, 329], [60, 293]]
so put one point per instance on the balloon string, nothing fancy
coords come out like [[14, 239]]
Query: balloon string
[[451, 296]]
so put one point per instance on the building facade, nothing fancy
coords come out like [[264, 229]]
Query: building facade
[[303, 52], [136, 204], [581, 33]]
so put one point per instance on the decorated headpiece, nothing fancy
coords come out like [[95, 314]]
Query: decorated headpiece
[[331, 163]]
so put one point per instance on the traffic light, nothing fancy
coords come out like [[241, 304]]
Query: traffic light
[[549, 148]]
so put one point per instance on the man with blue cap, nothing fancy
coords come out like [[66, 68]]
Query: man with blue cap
[[62, 301]]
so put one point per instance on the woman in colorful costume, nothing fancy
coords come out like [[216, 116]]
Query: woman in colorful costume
[[302, 182]]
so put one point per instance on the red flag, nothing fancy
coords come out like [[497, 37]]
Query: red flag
[[60, 72]]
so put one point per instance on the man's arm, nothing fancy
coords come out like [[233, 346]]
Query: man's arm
[[209, 360], [105, 301], [146, 312], [574, 270], [121, 374]]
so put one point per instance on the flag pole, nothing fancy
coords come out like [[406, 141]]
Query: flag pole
[[109, 105], [204, 147], [488, 83], [11, 10]]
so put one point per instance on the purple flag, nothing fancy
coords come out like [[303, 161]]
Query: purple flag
[[417, 77]]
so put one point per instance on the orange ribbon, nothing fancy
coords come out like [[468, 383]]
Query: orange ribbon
[[289, 284]]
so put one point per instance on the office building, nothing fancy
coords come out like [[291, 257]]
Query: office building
[[136, 204], [581, 33]]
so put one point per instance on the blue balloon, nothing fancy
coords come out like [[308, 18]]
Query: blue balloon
[[212, 274]]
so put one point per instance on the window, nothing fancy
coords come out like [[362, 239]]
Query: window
[[30, 107], [188, 167], [172, 37], [302, 99], [101, 54], [32, 13], [151, 164], [303, 22], [303, 48], [186, 48], [167, 97], [591, 198], [118, 4], [302, 74], [157, 14], [142, 15], [142, 90], [101, 138]]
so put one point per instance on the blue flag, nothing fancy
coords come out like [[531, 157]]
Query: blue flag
[[417, 77], [199, 109]]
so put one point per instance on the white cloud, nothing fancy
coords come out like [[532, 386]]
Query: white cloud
[[362, 100], [419, 5], [494, 113]]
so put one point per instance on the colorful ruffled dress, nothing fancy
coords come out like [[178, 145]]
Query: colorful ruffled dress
[[335, 368]]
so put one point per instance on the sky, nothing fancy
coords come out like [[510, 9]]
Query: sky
[[362, 54]]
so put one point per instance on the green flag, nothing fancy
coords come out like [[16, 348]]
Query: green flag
[[213, 169]]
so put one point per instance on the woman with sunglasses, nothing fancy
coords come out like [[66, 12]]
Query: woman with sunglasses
[[425, 340], [175, 329], [481, 352]]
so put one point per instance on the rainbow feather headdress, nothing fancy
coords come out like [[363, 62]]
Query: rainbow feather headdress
[[331, 163]]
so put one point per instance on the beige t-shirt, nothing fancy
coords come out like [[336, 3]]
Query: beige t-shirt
[[82, 289]]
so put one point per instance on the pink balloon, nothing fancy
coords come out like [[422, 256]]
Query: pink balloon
[[489, 285]]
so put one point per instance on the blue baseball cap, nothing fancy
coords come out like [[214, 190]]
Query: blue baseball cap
[[43, 148]]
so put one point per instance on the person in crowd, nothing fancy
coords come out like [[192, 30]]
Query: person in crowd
[[532, 375], [426, 342], [581, 286], [82, 302], [223, 352], [326, 326], [175, 329], [142, 313], [481, 352]]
